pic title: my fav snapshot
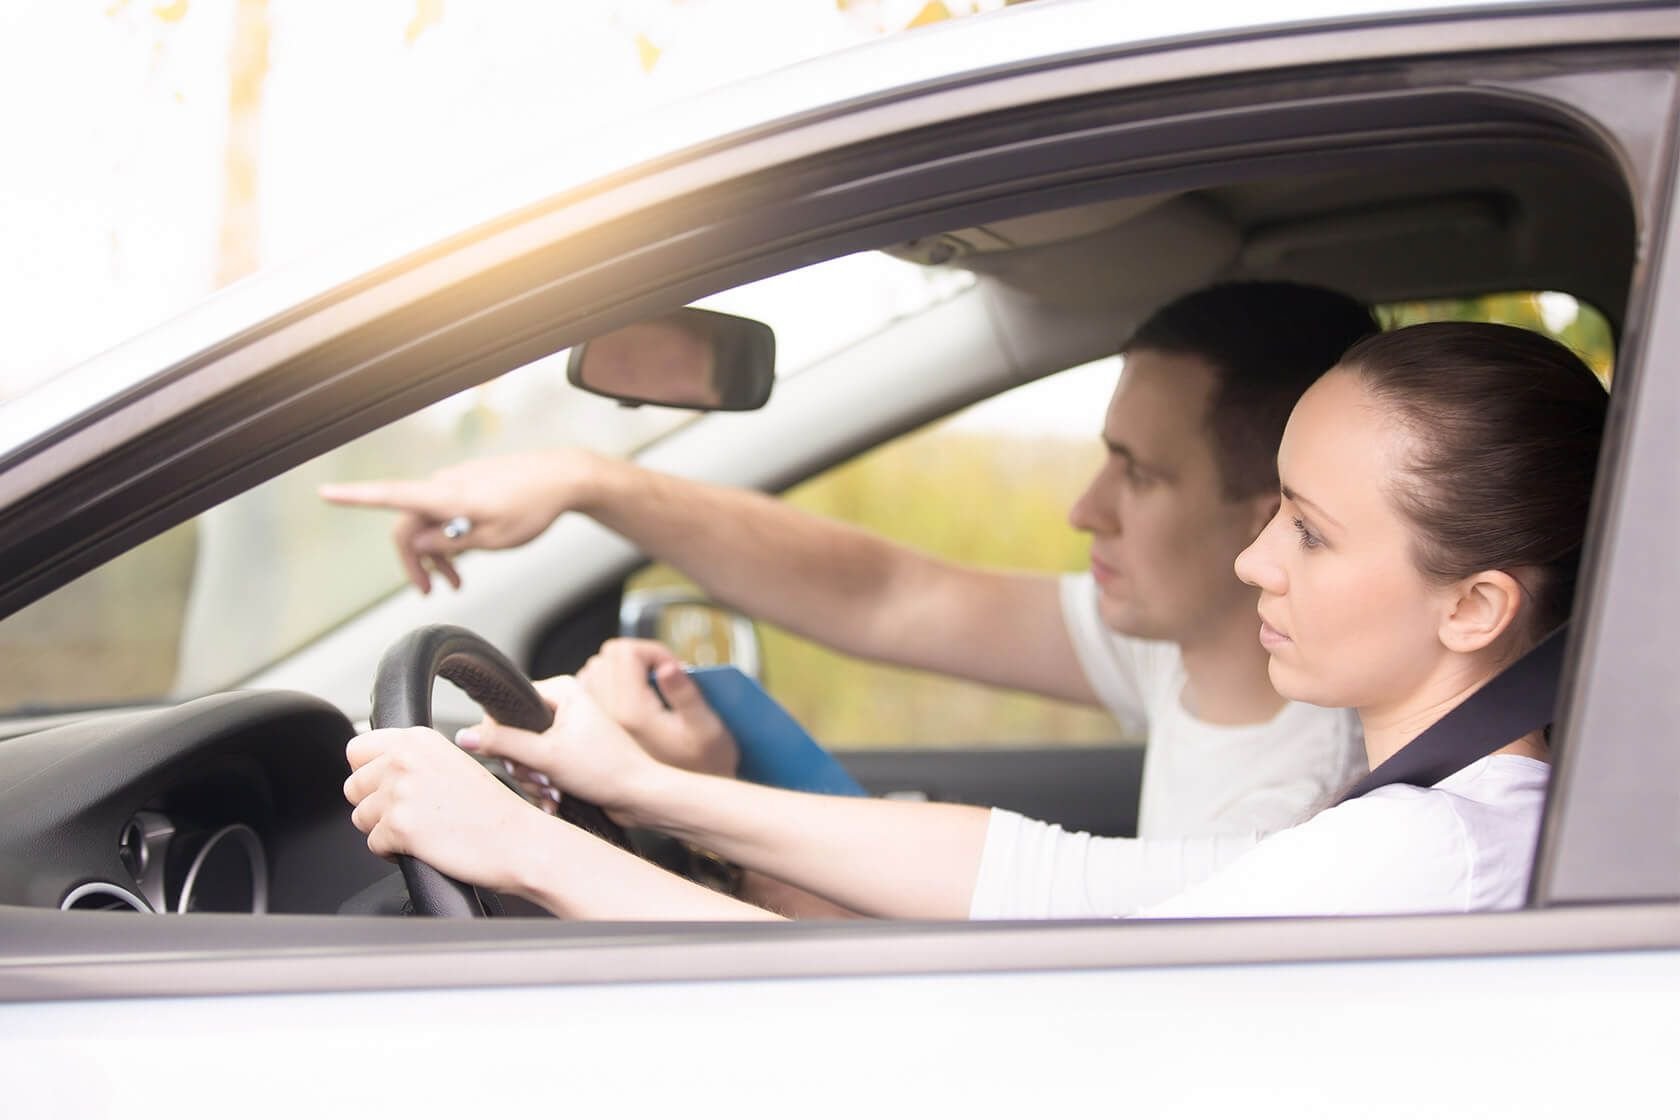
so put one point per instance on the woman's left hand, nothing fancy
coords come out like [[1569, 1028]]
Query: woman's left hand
[[415, 793], [683, 731]]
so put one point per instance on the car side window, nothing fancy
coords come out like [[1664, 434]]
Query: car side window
[[201, 606], [1028, 451], [1578, 325]]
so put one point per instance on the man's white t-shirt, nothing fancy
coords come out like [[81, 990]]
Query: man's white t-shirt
[[1202, 778], [1465, 844]]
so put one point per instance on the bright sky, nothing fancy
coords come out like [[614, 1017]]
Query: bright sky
[[110, 206]]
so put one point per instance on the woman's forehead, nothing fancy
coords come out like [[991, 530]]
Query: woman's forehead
[[1341, 446]]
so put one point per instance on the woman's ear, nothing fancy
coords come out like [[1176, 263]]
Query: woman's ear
[[1487, 605]]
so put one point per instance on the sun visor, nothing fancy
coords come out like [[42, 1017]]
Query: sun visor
[[1117, 253]]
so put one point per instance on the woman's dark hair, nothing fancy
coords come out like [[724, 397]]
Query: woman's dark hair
[[1507, 426], [1266, 343]]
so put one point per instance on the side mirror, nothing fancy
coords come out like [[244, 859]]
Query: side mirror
[[696, 629], [687, 358]]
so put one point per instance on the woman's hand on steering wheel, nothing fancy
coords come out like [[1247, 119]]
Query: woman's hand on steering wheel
[[415, 794], [583, 752]]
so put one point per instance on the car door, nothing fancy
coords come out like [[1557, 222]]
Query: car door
[[1559, 1008]]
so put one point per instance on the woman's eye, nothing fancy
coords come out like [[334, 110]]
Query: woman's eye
[[1308, 540], [1137, 476]]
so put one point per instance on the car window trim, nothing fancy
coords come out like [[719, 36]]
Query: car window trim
[[54, 956], [1609, 830]]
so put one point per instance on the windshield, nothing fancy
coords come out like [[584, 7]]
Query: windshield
[[212, 601]]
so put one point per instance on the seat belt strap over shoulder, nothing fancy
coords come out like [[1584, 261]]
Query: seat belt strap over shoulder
[[1522, 698]]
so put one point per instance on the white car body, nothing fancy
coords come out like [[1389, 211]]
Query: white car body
[[1563, 1008]]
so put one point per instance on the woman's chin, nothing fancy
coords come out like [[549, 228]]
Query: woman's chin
[[1290, 683]]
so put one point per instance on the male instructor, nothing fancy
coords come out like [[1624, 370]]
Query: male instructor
[[1159, 630]]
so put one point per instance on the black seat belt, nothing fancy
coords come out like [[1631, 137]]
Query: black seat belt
[[1520, 699]]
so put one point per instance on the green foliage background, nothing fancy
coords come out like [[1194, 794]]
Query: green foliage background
[[979, 499], [1588, 335]]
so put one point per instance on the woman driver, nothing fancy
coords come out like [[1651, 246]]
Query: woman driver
[[1435, 493]]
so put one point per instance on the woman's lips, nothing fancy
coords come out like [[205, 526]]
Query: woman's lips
[[1101, 572], [1271, 637]]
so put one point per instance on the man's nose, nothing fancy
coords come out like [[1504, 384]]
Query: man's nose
[[1095, 510]]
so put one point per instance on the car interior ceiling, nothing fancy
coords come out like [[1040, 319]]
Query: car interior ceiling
[[1529, 218]]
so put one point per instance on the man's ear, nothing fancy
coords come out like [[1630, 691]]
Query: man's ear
[[1486, 605]]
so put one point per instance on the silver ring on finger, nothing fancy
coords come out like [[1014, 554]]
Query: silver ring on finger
[[457, 527]]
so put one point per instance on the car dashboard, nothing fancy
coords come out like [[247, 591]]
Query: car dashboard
[[229, 803]]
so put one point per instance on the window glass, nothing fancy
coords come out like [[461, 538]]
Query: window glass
[[1577, 325], [1022, 457], [206, 604], [824, 308], [211, 601]]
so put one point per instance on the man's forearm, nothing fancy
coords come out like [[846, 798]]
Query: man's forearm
[[757, 554], [838, 585]]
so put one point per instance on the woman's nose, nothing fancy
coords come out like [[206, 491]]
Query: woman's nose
[[1255, 565]]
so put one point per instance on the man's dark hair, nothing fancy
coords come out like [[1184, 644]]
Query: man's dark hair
[[1266, 342]]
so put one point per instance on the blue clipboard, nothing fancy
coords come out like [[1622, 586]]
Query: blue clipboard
[[775, 750]]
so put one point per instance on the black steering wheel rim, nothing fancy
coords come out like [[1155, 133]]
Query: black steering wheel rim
[[402, 697]]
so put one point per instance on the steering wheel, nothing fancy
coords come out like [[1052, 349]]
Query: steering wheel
[[402, 697]]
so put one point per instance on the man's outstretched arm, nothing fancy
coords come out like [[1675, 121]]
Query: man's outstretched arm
[[831, 582]]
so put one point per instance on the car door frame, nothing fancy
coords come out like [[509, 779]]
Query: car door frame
[[68, 956]]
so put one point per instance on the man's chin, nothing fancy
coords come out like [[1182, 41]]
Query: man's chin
[[1126, 619]]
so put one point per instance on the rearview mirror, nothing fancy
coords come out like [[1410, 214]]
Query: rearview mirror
[[687, 358], [693, 627]]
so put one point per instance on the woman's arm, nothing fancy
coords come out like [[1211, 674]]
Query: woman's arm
[[885, 858], [416, 794], [1037, 870], [889, 859]]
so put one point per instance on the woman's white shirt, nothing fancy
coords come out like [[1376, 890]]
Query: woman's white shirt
[[1201, 778], [1466, 843]]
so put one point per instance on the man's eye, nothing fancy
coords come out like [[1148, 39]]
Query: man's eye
[[1137, 476], [1308, 540]]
